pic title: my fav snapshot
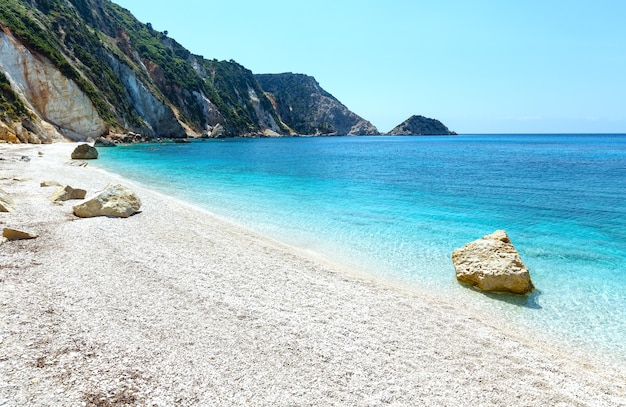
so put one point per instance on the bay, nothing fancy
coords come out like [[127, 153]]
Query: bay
[[397, 207]]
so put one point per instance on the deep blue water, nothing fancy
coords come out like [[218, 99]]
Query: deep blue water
[[397, 207]]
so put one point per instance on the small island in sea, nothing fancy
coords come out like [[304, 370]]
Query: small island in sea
[[421, 126]]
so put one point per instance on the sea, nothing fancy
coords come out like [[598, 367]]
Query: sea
[[396, 207]]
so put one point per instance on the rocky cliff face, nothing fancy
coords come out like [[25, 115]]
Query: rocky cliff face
[[78, 69], [83, 68], [48, 94], [156, 117], [421, 126], [308, 109]]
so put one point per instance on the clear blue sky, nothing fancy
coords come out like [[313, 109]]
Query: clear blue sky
[[480, 66]]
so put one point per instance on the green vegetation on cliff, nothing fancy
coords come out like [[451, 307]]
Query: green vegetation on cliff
[[80, 37], [36, 27], [308, 109], [229, 85], [11, 106], [139, 79]]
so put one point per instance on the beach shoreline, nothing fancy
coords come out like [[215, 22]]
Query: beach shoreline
[[176, 306]]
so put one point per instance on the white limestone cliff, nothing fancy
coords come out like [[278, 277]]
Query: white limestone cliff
[[51, 96]]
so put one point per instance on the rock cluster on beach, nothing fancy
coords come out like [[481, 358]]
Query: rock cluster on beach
[[114, 201], [492, 264]]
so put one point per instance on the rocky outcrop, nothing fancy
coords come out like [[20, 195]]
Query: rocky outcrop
[[266, 119], [8, 134], [85, 152], [218, 132], [210, 111], [13, 234], [28, 130], [68, 193], [6, 203], [48, 92], [157, 118], [421, 126], [104, 142], [492, 264], [114, 201], [308, 109]]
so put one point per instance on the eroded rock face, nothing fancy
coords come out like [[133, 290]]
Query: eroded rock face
[[85, 152], [54, 97], [66, 193], [6, 203], [114, 201], [492, 264], [158, 117]]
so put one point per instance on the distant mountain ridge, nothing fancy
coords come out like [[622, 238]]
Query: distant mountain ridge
[[80, 69]]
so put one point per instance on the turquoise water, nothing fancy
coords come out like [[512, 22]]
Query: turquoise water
[[397, 207]]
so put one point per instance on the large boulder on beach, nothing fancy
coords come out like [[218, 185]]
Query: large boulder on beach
[[114, 201], [492, 264], [6, 203], [84, 152], [66, 193]]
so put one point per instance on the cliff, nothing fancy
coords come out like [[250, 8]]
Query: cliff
[[421, 126], [308, 109], [78, 69], [47, 95]]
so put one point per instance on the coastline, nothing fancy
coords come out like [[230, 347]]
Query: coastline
[[176, 306]]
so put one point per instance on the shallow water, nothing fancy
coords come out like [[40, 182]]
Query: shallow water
[[398, 206]]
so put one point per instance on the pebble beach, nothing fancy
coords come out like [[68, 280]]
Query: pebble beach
[[175, 306]]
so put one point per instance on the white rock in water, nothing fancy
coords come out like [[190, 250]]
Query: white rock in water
[[115, 201], [492, 264]]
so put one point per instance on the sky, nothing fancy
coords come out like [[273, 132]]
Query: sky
[[479, 66]]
